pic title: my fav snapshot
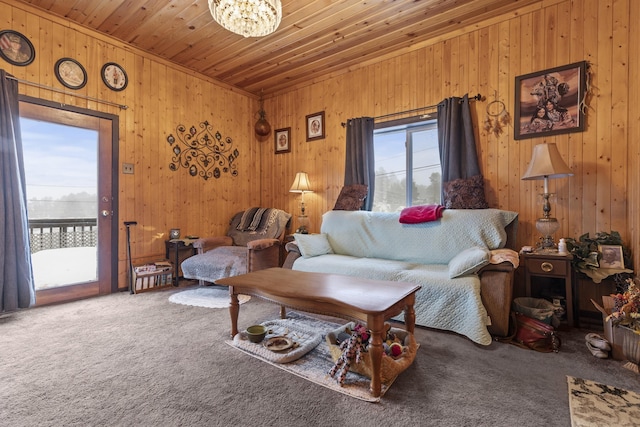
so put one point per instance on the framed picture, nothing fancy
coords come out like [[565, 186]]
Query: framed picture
[[16, 49], [114, 76], [283, 140], [70, 73], [612, 256], [548, 102], [315, 126]]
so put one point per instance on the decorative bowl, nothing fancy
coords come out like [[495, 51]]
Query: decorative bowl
[[256, 333]]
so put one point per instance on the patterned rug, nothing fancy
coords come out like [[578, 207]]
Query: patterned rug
[[210, 297], [595, 404], [314, 366]]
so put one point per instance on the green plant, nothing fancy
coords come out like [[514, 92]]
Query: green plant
[[585, 250], [626, 310]]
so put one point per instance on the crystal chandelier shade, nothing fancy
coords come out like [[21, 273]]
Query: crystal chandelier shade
[[248, 18]]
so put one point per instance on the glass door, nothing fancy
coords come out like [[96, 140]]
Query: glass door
[[67, 157]]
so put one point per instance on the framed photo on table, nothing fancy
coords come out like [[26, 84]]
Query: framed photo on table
[[16, 49], [612, 256], [549, 102], [70, 73], [315, 126], [283, 140], [114, 76]]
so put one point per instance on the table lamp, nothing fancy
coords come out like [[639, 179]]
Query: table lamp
[[301, 185], [546, 163]]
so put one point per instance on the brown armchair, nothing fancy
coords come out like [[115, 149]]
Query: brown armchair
[[253, 242]]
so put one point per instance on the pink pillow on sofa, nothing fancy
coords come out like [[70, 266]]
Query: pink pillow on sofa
[[422, 213]]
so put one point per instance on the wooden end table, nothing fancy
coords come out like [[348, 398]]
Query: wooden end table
[[354, 298], [182, 249], [551, 266]]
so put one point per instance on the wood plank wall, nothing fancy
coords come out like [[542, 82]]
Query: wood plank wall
[[603, 195], [604, 192], [160, 96]]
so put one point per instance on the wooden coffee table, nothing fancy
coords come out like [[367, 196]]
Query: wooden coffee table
[[354, 298]]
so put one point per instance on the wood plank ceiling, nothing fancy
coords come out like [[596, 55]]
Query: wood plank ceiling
[[314, 38]]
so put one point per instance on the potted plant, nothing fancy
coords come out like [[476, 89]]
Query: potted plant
[[626, 315], [587, 256]]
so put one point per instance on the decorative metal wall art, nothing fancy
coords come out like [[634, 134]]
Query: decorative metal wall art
[[202, 152]]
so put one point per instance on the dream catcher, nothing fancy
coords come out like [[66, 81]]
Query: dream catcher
[[497, 117]]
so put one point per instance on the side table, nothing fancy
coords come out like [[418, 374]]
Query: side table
[[181, 249], [544, 271]]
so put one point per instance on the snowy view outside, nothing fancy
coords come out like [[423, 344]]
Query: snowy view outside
[[61, 170], [391, 155]]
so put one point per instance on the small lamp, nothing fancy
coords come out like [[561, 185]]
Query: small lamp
[[301, 185], [546, 163]]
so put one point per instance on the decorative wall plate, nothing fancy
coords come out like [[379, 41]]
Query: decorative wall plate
[[114, 76], [15, 48], [70, 73]]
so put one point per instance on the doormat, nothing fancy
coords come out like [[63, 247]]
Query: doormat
[[595, 404], [209, 297], [316, 364]]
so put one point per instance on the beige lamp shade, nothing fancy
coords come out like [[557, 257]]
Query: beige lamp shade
[[546, 162], [301, 184]]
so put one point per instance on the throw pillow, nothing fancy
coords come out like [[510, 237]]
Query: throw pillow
[[469, 261], [313, 244], [465, 193], [351, 197]]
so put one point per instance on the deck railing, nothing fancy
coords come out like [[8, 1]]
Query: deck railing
[[62, 233]]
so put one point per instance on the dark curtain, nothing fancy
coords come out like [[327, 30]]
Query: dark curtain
[[458, 155], [17, 289], [359, 163]]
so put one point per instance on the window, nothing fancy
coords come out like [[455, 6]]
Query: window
[[406, 153], [61, 163]]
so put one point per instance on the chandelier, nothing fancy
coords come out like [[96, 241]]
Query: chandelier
[[249, 18]]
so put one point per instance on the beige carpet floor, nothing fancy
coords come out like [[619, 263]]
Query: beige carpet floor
[[140, 360]]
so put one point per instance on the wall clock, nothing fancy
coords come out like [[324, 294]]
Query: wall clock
[[114, 76], [70, 73]]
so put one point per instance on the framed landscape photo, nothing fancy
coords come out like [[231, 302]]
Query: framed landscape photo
[[549, 102], [16, 49], [114, 76], [315, 126], [283, 140], [70, 73], [612, 256]]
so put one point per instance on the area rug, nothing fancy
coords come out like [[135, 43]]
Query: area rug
[[595, 404], [315, 365], [210, 297]]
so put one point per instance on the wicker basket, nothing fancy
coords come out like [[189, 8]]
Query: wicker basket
[[390, 368]]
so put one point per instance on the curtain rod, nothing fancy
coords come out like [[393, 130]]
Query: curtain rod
[[478, 97], [88, 98]]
